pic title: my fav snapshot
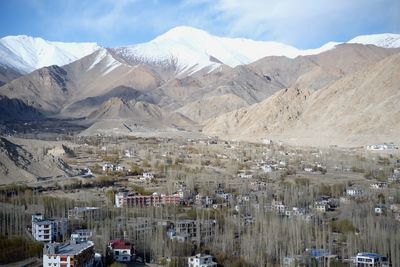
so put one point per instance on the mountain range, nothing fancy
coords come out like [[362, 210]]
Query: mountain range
[[189, 80]]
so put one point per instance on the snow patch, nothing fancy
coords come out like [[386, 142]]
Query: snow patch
[[387, 40], [26, 53]]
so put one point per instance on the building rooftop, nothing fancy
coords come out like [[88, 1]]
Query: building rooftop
[[370, 254], [71, 248], [201, 255], [48, 221], [120, 244], [82, 209]]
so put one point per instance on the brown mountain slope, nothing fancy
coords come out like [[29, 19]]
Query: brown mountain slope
[[24, 162], [255, 82], [210, 107], [317, 71], [118, 116], [45, 89], [52, 89], [361, 108], [272, 115]]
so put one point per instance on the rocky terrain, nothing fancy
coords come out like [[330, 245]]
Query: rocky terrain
[[359, 108], [25, 161], [257, 90]]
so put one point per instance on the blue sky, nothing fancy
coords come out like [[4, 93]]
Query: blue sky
[[301, 23]]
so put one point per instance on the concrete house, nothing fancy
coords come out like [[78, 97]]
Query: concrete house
[[48, 230], [70, 254], [201, 260], [122, 250]]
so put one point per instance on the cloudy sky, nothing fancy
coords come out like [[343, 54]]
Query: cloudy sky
[[304, 24]]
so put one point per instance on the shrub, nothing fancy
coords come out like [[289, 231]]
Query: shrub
[[18, 248], [343, 226]]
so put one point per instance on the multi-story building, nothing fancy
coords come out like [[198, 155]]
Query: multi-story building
[[201, 260], [71, 254], [354, 191], [122, 250], [48, 230], [82, 235], [171, 199], [195, 230], [130, 199]]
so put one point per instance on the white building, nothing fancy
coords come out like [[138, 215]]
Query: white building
[[82, 235], [69, 255], [48, 230], [201, 260], [122, 250], [129, 153], [108, 167], [354, 192], [148, 175], [366, 259], [308, 169], [245, 175], [266, 168], [383, 146], [321, 206], [379, 209]]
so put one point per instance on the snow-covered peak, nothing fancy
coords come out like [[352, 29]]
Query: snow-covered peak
[[185, 48], [26, 53], [181, 33], [387, 40], [105, 61], [193, 49]]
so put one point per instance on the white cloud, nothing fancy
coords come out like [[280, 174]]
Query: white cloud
[[296, 21], [302, 23]]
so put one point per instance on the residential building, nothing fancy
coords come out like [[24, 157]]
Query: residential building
[[129, 199], [244, 175], [379, 209], [122, 250], [378, 185], [48, 230], [196, 230], [383, 146], [82, 235], [354, 191], [148, 175], [366, 259], [201, 260], [108, 167], [266, 168], [69, 255], [174, 199], [322, 206]]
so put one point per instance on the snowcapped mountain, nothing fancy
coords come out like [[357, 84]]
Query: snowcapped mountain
[[386, 40], [185, 49], [25, 54], [192, 49]]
